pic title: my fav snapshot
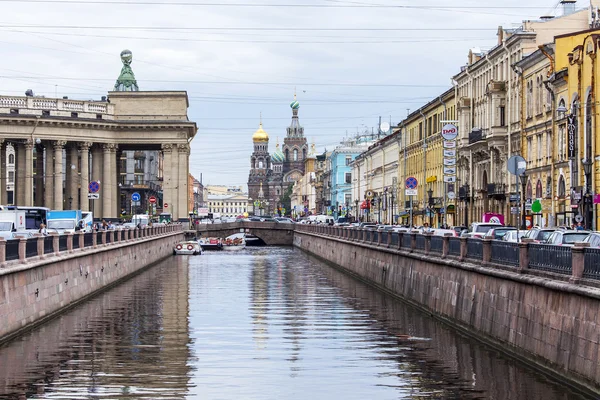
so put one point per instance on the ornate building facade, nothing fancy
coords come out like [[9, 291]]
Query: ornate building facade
[[271, 175]]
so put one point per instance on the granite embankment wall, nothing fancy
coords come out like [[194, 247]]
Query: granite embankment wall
[[551, 324], [35, 289]]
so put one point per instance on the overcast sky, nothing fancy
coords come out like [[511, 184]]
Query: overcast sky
[[350, 60]]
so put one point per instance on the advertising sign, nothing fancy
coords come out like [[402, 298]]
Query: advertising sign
[[449, 153], [449, 170], [571, 135], [450, 161], [449, 144], [449, 132], [493, 218], [450, 179]]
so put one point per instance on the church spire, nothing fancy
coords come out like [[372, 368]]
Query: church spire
[[295, 130]]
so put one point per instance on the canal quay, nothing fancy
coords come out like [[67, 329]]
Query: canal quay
[[261, 323]]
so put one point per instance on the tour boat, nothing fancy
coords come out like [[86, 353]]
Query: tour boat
[[211, 243], [236, 241], [189, 247]]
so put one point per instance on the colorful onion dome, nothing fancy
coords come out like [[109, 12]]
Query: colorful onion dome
[[278, 156]]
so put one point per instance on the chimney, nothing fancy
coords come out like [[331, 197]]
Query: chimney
[[500, 35], [568, 6]]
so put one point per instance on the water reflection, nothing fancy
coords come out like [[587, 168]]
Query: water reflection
[[259, 324]]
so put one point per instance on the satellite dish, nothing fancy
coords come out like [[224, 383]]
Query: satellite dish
[[384, 127]]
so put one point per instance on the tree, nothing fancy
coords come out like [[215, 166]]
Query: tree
[[286, 199]]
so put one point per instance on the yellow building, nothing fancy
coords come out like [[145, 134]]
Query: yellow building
[[422, 155], [576, 91]]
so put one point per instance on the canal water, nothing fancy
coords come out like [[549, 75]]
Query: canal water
[[262, 323]]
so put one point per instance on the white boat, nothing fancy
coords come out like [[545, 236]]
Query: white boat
[[211, 243], [189, 247], [237, 241]]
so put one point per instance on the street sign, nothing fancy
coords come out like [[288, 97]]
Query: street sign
[[135, 196], [449, 170], [93, 196], [514, 210], [370, 194], [451, 195], [449, 132], [411, 182], [449, 179], [411, 192], [449, 144], [165, 205], [94, 187], [449, 153], [578, 218], [517, 165], [152, 199], [536, 206], [450, 161]]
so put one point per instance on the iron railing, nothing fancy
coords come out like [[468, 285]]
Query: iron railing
[[12, 249], [475, 249], [420, 242], [591, 269], [550, 258], [407, 240], [31, 248], [437, 244], [454, 247], [505, 253]]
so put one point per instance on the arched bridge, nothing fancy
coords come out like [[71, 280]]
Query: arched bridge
[[272, 233]]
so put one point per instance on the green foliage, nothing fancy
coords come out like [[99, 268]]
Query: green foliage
[[286, 198]]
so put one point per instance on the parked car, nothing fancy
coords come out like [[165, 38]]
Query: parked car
[[284, 220], [479, 229], [498, 233], [442, 232], [511, 236], [567, 238], [459, 229], [540, 235], [593, 239]]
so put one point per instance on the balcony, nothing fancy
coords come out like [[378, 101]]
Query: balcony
[[476, 135], [496, 191], [464, 193]]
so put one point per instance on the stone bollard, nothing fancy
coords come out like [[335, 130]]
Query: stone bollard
[[379, 234], [400, 239], [578, 261], [428, 236], [389, 239], [94, 239], [524, 255], [55, 244], [463, 248], [40, 245], [69, 242], [2, 252], [486, 251], [413, 241], [23, 250], [103, 238], [81, 239], [446, 244]]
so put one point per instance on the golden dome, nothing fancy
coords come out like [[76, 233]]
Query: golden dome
[[260, 135]]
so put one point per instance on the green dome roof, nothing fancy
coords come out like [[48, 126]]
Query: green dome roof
[[278, 156], [295, 105]]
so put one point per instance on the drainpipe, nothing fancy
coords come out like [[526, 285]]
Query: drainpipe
[[553, 127], [508, 122], [424, 159], [521, 124], [444, 184]]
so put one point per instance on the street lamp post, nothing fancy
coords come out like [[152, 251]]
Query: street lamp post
[[466, 199], [430, 205], [587, 198], [523, 200], [356, 210]]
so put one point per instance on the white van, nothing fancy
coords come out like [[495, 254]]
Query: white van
[[325, 219]]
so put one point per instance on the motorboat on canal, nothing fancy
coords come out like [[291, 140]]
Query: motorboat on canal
[[188, 247], [237, 241], [211, 243]]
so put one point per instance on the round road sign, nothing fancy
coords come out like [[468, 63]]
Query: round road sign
[[135, 196], [449, 132], [152, 199], [517, 165], [411, 182], [578, 218], [165, 205], [94, 187]]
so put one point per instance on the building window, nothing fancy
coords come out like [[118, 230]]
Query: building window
[[548, 144], [348, 160], [562, 147], [295, 154], [348, 177], [539, 146], [138, 165], [529, 104], [561, 187], [529, 148], [502, 116], [138, 179], [11, 158], [538, 189], [11, 176]]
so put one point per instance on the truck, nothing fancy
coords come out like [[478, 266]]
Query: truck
[[140, 219], [12, 221], [63, 221]]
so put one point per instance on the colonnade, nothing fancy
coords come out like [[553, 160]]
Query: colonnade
[[56, 174]]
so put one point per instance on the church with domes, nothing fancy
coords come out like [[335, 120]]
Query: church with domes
[[271, 175]]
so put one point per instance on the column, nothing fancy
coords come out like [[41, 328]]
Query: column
[[168, 177], [68, 177], [117, 174], [97, 158], [39, 176], [84, 149], [109, 183], [28, 181], [182, 195], [49, 177], [74, 181], [58, 174], [3, 176], [20, 178]]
